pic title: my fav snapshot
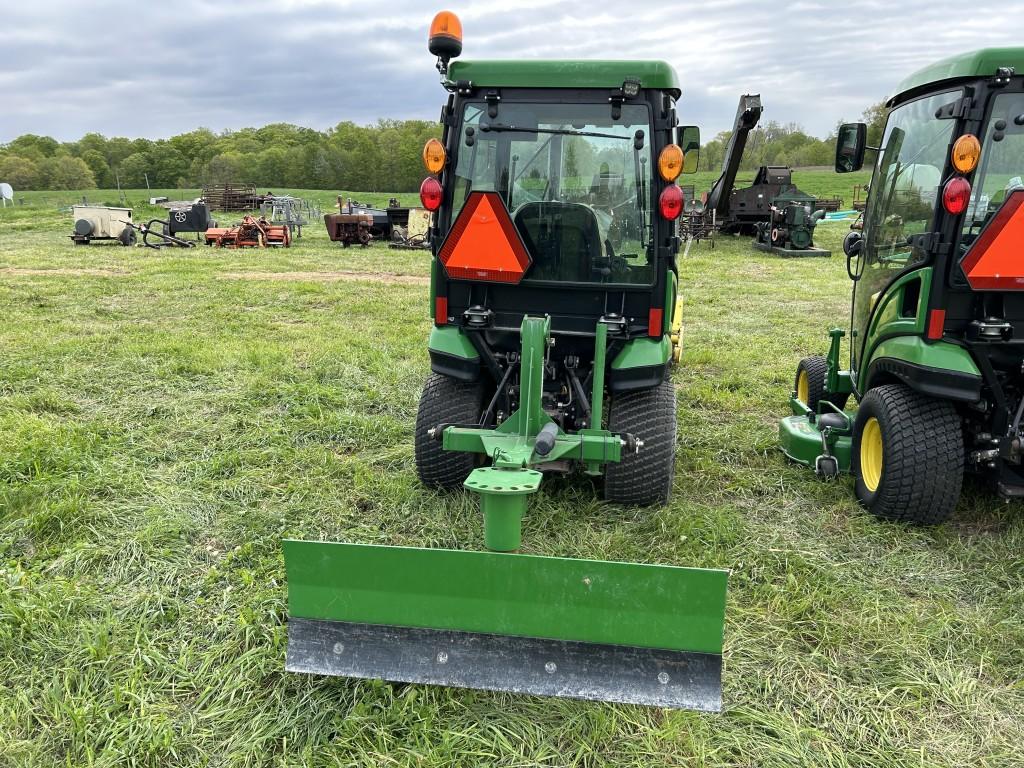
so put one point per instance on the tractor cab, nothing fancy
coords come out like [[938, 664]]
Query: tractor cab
[[583, 181], [937, 321]]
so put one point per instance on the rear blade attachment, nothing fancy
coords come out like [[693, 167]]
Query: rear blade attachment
[[587, 629]]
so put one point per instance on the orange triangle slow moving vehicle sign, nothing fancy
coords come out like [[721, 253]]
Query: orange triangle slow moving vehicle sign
[[483, 243], [995, 261]]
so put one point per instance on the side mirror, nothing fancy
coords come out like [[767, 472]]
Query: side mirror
[[853, 244], [688, 138], [850, 145]]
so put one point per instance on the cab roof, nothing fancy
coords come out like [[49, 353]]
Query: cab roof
[[565, 74], [963, 66]]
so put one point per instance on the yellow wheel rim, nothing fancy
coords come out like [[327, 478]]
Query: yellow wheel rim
[[871, 454], [803, 387]]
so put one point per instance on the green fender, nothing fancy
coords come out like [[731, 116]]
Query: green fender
[[449, 340], [641, 364], [643, 353], [452, 354], [938, 369]]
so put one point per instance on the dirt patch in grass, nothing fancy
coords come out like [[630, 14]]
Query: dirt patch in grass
[[64, 272], [331, 277]]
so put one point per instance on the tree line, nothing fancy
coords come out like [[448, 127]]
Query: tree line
[[383, 157]]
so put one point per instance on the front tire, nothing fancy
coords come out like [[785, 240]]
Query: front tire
[[810, 384], [445, 401], [908, 455], [649, 415]]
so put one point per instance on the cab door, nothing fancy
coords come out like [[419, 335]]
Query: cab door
[[905, 192]]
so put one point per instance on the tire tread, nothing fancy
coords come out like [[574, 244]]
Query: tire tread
[[923, 448], [644, 478], [445, 401]]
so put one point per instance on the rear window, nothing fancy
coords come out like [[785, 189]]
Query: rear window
[[577, 187]]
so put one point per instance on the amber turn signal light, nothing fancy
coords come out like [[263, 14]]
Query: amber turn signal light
[[966, 151], [670, 162], [434, 156]]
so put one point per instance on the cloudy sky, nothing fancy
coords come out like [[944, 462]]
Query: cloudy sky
[[154, 69]]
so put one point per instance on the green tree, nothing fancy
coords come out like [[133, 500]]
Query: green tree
[[97, 163], [133, 169], [225, 167], [118, 149], [65, 172], [875, 117], [34, 147], [167, 163], [270, 167], [20, 172]]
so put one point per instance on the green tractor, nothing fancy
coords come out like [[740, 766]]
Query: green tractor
[[556, 324], [936, 343]]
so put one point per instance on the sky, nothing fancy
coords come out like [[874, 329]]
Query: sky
[[155, 69]]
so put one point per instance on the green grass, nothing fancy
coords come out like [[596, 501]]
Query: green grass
[[163, 426]]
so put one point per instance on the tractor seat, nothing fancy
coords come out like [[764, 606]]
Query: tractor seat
[[563, 238]]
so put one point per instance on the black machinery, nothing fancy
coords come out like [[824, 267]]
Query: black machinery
[[773, 209], [749, 207], [789, 230], [359, 223], [161, 233], [719, 202]]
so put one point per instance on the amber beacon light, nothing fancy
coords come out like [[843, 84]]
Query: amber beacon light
[[445, 40]]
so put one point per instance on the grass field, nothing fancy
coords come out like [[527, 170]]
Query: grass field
[[166, 418]]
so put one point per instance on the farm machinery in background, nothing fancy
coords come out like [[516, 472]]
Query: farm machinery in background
[[773, 209], [789, 230], [100, 222], [292, 212], [94, 222], [358, 223], [182, 219], [251, 232]]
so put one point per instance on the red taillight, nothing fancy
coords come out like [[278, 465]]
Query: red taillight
[[936, 321], [654, 321], [956, 195], [670, 202], [441, 310], [430, 193]]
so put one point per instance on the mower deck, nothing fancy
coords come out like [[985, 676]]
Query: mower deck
[[800, 440]]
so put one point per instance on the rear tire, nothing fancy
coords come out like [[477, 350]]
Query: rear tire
[[445, 401], [811, 390], [649, 415], [908, 455]]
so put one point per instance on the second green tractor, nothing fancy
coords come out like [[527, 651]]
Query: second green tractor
[[936, 337]]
